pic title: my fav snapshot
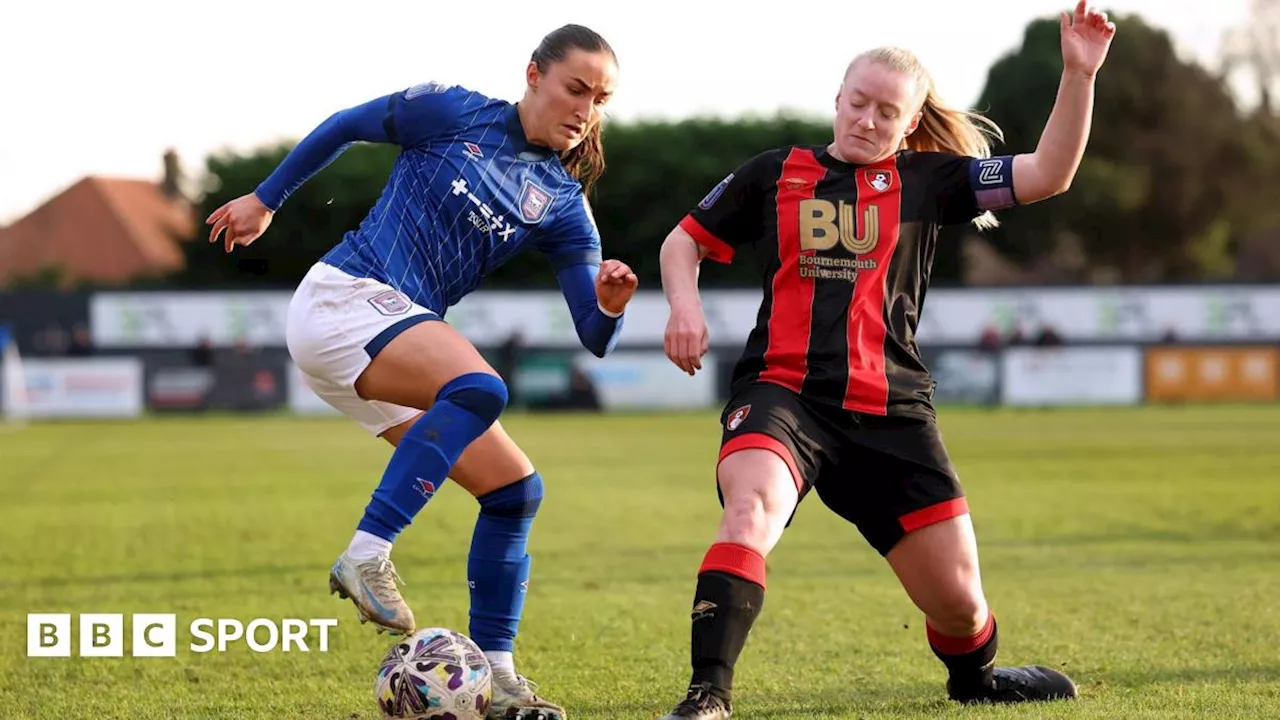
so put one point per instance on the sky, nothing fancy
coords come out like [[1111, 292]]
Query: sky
[[91, 88]]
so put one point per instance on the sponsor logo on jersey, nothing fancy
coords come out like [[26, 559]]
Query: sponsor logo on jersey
[[482, 216]]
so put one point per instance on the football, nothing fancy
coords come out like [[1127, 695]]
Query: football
[[434, 674]]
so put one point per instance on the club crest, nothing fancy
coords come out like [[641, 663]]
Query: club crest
[[736, 418], [390, 302], [881, 180], [534, 202]]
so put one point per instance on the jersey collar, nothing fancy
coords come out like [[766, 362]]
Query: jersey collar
[[825, 157], [523, 148]]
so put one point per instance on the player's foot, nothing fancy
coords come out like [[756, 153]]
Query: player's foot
[[701, 704], [514, 699], [1030, 683], [371, 587]]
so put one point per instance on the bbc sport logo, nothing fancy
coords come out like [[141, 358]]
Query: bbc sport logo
[[156, 635]]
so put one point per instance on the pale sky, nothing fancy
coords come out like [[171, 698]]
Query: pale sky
[[103, 88]]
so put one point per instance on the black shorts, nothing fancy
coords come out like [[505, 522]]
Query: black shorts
[[886, 475]]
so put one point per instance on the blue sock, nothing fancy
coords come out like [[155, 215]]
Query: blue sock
[[464, 408], [498, 566]]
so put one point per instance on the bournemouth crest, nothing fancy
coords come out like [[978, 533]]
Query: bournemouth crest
[[881, 180], [736, 418], [534, 202]]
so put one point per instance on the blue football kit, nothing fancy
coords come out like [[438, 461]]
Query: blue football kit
[[467, 192]]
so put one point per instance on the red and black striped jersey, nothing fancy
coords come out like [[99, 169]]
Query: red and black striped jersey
[[845, 252]]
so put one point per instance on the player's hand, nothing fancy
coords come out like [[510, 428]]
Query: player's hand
[[686, 339], [1086, 37], [615, 284], [244, 220]]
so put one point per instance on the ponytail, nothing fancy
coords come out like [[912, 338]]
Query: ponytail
[[941, 128], [959, 132], [585, 161]]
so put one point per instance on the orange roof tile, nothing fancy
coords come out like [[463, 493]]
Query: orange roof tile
[[100, 230]]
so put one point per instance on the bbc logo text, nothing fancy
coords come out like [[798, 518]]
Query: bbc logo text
[[156, 634]]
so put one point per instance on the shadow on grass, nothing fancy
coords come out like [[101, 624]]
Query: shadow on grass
[[915, 700]]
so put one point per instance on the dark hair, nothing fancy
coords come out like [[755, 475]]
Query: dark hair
[[585, 161]]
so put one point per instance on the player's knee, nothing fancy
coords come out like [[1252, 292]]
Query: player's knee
[[750, 519], [481, 394], [520, 499]]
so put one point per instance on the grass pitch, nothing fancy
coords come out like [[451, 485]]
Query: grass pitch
[[1138, 549]]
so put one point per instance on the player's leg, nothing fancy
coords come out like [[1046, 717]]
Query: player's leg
[[918, 519], [509, 490], [938, 567], [426, 366], [760, 474], [378, 357]]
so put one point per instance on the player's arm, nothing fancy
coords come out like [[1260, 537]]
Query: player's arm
[[408, 118], [405, 118], [722, 220], [323, 145], [726, 218], [598, 327], [596, 292], [680, 260], [1050, 169], [1086, 38]]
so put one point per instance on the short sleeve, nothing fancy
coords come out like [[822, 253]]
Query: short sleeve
[[730, 214], [573, 239], [424, 112], [966, 187]]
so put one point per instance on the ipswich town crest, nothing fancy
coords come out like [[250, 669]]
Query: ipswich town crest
[[534, 202]]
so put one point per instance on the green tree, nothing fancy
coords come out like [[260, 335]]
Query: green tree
[[1148, 199], [313, 220], [656, 172]]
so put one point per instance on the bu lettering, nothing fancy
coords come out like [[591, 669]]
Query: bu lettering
[[823, 224]]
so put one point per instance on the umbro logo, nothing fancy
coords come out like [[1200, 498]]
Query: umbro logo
[[702, 609]]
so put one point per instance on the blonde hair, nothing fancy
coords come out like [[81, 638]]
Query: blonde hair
[[941, 128]]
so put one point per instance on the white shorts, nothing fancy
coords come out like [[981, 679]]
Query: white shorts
[[336, 325]]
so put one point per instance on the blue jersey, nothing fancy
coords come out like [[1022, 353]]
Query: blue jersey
[[467, 192]]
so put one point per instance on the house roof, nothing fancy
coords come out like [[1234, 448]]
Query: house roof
[[100, 230]]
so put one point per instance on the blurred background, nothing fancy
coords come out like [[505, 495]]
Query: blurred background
[[1155, 272]]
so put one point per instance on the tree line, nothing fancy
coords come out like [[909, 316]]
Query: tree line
[[1179, 183]]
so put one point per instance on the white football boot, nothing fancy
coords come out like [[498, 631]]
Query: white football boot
[[514, 699], [371, 587]]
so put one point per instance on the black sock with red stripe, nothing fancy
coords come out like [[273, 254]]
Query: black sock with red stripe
[[728, 599], [970, 660]]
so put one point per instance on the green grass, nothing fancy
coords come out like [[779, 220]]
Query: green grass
[[1139, 549]]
